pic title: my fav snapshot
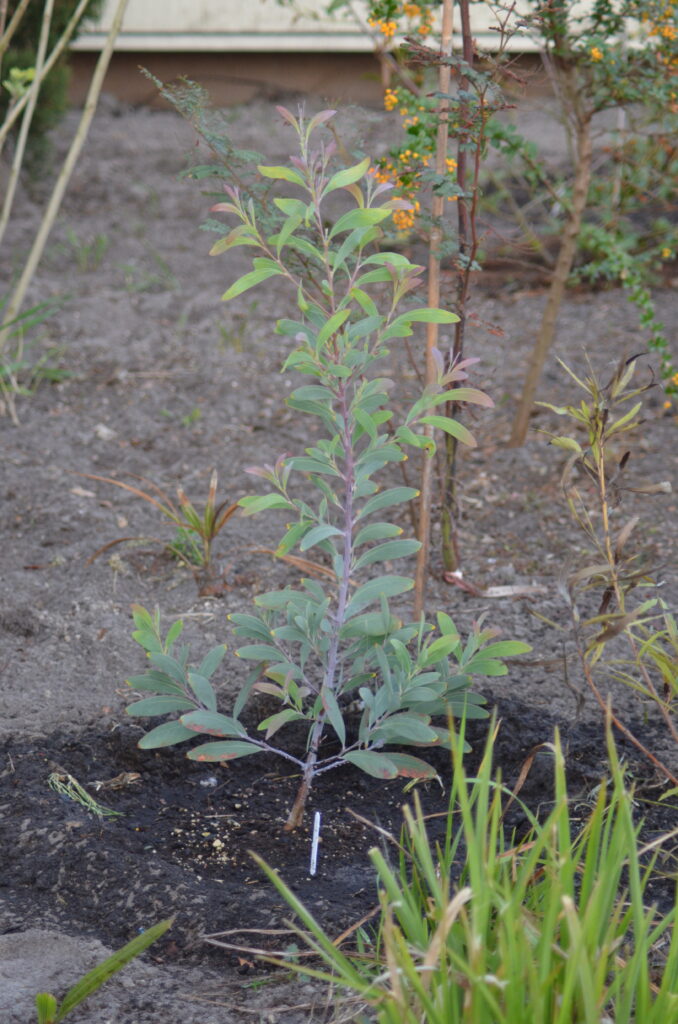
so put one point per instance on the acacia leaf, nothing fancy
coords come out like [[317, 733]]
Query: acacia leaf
[[159, 706], [213, 723], [226, 751], [377, 765], [165, 735]]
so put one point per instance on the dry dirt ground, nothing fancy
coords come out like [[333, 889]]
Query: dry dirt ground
[[166, 382]]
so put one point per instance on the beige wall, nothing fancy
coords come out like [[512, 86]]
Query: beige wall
[[260, 26]]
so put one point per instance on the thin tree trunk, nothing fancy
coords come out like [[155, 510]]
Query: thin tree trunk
[[466, 247], [561, 273], [437, 206]]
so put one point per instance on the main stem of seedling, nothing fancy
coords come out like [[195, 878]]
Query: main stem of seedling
[[330, 678]]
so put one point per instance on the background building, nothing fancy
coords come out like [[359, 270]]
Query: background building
[[239, 50]]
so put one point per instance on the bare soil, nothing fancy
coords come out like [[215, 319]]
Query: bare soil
[[165, 382]]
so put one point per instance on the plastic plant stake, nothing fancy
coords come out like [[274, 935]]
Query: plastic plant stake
[[314, 842]]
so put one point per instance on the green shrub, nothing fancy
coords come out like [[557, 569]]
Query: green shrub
[[53, 99]]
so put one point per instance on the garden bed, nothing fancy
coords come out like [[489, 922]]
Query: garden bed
[[166, 383]]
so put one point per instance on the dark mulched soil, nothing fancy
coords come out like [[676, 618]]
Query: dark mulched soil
[[182, 845]]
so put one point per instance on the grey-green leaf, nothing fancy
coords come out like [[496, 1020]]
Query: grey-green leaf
[[203, 690], [165, 736], [159, 706], [372, 591], [318, 534], [213, 723], [392, 496], [377, 765], [226, 751], [386, 552], [154, 682], [210, 663]]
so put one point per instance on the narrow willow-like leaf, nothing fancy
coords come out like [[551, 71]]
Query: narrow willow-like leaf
[[332, 325], [318, 534], [376, 531], [403, 728], [248, 281], [281, 173], [385, 499], [329, 703], [154, 682], [347, 177], [450, 426], [173, 634], [259, 503], [165, 736], [259, 652], [358, 219], [277, 721], [410, 767], [240, 235], [166, 663], [211, 662], [425, 315]]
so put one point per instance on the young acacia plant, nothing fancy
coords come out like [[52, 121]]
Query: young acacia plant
[[321, 648]]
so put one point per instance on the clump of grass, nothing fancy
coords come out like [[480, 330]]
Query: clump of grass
[[556, 922]]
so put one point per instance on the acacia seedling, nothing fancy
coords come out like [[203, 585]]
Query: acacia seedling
[[327, 646]]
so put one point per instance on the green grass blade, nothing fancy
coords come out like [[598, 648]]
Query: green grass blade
[[95, 978]]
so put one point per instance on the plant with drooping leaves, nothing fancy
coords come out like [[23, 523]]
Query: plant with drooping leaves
[[319, 648]]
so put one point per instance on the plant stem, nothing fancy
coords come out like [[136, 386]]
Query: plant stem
[[296, 815], [568, 246], [588, 675], [22, 139], [14, 305], [437, 206], [6, 36]]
